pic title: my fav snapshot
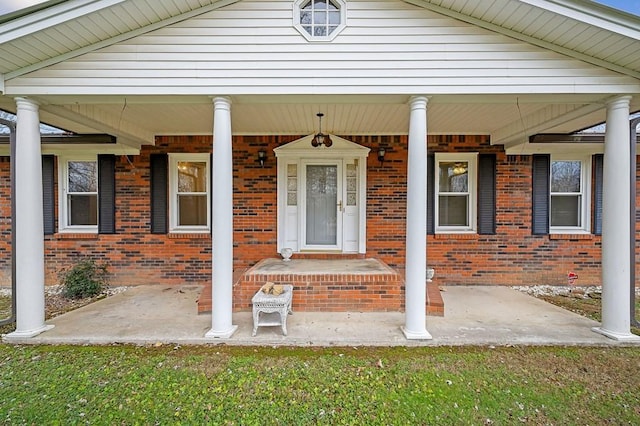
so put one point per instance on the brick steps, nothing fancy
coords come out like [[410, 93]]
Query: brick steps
[[376, 291]]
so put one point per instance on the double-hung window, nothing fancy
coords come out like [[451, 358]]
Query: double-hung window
[[189, 191], [79, 194], [569, 209], [455, 198]]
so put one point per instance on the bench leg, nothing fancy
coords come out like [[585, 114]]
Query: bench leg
[[256, 314], [283, 321]]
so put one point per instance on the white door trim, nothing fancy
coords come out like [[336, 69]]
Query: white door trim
[[294, 156]]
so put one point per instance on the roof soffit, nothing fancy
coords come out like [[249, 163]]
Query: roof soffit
[[59, 15], [613, 23]]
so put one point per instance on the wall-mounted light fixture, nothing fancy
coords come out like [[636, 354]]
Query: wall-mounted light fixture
[[381, 153], [262, 157], [320, 138]]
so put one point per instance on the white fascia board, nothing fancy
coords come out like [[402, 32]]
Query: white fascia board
[[527, 39], [118, 38], [592, 13], [50, 17]]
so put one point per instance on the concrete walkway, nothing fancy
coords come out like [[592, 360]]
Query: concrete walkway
[[474, 316]]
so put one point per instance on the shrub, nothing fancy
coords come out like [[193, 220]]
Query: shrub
[[85, 279]]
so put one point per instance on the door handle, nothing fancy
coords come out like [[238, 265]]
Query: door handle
[[340, 205]]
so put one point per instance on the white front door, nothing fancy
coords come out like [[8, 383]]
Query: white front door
[[322, 204]]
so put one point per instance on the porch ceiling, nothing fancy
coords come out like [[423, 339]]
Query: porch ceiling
[[508, 119]]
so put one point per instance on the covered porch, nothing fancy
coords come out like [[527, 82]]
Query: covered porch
[[475, 315], [435, 76]]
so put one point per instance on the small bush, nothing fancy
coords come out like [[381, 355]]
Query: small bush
[[85, 279]]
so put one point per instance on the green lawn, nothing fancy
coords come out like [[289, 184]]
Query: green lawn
[[227, 385]]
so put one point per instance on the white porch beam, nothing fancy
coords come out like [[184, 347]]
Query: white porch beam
[[517, 133], [104, 122], [416, 257], [28, 224], [616, 228], [222, 222]]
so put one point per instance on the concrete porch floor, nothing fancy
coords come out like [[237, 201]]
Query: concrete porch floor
[[473, 316]]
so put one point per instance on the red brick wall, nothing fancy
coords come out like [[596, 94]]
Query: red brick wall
[[512, 256]]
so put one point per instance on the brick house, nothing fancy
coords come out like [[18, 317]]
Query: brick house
[[194, 154]]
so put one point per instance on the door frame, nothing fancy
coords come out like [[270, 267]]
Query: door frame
[[300, 152]]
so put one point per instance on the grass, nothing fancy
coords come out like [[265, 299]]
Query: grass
[[225, 385]]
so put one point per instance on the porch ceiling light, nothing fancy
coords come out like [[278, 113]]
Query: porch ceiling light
[[320, 138]]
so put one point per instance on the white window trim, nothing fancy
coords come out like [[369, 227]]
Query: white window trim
[[585, 186], [472, 160], [297, 6], [63, 179], [174, 159]]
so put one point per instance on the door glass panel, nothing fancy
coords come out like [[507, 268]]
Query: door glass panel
[[322, 199]]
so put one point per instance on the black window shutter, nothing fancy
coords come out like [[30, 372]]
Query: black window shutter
[[540, 197], [48, 194], [598, 161], [106, 194], [487, 194], [159, 185], [431, 162]]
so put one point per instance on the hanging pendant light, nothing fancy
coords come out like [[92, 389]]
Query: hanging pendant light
[[320, 138]]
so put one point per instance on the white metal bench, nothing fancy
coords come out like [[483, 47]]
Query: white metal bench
[[270, 310]]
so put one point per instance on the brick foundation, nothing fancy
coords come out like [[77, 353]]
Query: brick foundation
[[328, 292]]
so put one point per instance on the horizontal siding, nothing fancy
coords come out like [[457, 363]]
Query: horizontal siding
[[387, 47]]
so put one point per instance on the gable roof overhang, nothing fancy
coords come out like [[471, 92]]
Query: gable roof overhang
[[58, 31]]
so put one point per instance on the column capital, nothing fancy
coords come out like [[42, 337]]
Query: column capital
[[418, 102], [619, 101], [26, 103], [221, 102]]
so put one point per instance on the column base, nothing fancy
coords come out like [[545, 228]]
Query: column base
[[412, 335], [26, 334], [623, 337], [218, 334]]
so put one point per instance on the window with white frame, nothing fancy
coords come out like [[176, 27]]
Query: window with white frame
[[569, 209], [455, 186], [189, 192], [319, 20], [79, 194]]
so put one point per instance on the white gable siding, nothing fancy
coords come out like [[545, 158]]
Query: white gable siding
[[251, 47]]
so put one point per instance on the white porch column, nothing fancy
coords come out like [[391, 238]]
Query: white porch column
[[416, 257], [616, 229], [28, 224], [222, 222]]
